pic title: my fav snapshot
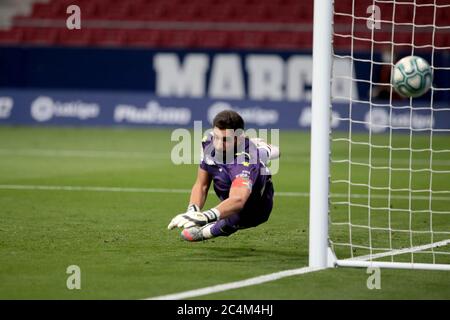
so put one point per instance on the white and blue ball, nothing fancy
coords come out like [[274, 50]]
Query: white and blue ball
[[412, 77]]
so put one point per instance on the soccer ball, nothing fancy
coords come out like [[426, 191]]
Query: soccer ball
[[412, 76]]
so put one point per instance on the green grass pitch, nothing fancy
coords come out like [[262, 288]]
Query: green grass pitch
[[121, 243]]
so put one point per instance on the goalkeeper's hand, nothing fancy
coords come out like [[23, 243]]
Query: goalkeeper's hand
[[194, 218], [191, 208]]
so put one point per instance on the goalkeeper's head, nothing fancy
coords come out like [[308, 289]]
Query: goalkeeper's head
[[228, 131]]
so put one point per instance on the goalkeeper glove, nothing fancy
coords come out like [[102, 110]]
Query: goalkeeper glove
[[194, 218], [190, 208], [273, 152]]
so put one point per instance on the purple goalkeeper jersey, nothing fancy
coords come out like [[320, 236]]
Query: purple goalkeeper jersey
[[249, 164]]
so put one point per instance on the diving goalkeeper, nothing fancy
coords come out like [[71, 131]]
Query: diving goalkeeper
[[237, 167]]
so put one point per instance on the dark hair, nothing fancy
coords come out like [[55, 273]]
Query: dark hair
[[228, 119]]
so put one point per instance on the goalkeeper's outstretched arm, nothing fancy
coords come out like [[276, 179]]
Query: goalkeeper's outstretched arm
[[200, 189], [239, 195]]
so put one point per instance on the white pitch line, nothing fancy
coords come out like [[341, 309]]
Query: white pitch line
[[184, 191], [84, 153], [235, 285], [110, 154], [94, 189]]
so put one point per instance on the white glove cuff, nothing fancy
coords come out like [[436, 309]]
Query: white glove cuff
[[212, 214]]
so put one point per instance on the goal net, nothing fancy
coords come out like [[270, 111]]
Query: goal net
[[389, 195]]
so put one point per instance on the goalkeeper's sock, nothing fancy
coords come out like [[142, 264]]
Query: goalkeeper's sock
[[225, 227], [221, 228], [206, 231]]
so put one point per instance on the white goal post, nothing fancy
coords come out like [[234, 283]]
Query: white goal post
[[388, 205]]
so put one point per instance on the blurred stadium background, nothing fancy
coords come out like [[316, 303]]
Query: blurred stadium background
[[85, 138]]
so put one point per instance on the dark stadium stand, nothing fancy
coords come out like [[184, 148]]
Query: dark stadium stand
[[237, 24]]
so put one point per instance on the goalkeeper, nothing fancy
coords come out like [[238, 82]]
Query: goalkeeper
[[241, 181]]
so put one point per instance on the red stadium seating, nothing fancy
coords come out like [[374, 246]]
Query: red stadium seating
[[177, 39], [149, 12], [113, 12], [289, 40], [81, 37], [14, 36], [247, 24], [212, 39], [109, 37], [40, 36], [248, 39], [143, 38]]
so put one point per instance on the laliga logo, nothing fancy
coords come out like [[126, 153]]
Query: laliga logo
[[379, 120], [6, 105], [42, 109]]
